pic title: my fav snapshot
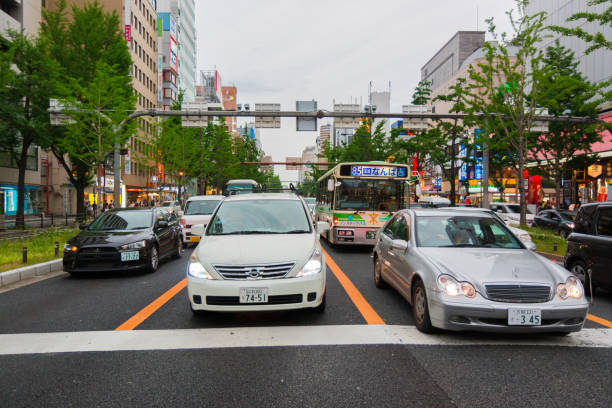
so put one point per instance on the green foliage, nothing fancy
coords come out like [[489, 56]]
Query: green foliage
[[597, 40], [421, 93], [365, 146]]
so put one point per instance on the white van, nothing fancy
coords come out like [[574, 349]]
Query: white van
[[434, 202], [198, 210]]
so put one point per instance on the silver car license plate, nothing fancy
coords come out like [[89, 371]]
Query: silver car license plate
[[524, 317], [253, 295], [130, 256]]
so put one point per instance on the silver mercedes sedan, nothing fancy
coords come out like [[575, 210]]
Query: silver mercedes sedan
[[467, 271]]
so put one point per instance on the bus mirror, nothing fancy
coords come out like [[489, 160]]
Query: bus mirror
[[330, 185]]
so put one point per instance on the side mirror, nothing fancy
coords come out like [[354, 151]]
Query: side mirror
[[84, 226], [198, 229], [399, 244], [162, 224], [322, 227], [530, 245], [330, 185]]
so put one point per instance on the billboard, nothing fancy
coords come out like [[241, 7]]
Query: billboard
[[173, 28], [173, 56], [306, 124], [267, 122]]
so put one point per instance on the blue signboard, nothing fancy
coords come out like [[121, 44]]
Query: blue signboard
[[478, 171], [463, 172], [437, 183], [379, 171]]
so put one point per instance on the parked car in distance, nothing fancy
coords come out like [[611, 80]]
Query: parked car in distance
[[512, 212], [561, 221], [589, 247], [124, 239], [258, 252], [173, 206], [519, 233], [466, 271], [198, 210]]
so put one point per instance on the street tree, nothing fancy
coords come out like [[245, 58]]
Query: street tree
[[421, 93], [95, 65], [595, 40], [28, 77], [565, 91], [506, 84]]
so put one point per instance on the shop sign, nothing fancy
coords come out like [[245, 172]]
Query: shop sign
[[595, 170]]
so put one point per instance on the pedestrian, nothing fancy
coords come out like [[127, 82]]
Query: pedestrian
[[95, 208], [111, 205]]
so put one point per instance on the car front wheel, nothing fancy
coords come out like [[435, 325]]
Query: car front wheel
[[153, 259], [579, 269], [420, 309], [179, 247], [378, 280]]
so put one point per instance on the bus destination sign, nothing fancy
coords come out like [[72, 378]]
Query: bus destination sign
[[378, 171]]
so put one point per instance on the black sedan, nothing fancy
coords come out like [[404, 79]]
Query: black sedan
[[124, 239], [561, 221]]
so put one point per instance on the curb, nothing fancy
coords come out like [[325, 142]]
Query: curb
[[19, 274]]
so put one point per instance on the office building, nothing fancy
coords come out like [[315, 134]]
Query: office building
[[324, 135]]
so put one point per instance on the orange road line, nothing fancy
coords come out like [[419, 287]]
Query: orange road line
[[599, 320], [145, 313], [368, 313]]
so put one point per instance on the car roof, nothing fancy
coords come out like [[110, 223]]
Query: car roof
[[206, 197], [262, 196], [467, 209], [130, 209], [437, 212]]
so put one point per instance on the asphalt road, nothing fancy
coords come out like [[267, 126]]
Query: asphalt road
[[259, 369]]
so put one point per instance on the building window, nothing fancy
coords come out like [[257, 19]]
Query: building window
[[6, 160]]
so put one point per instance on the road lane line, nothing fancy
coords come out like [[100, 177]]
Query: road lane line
[[367, 311], [145, 313], [599, 320], [280, 336]]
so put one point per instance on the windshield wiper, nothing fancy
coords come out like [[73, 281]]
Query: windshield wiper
[[290, 232], [461, 246]]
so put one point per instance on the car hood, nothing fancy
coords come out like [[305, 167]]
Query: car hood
[[481, 266], [255, 249], [94, 238], [197, 219]]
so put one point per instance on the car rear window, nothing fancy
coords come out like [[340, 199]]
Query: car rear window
[[604, 221]]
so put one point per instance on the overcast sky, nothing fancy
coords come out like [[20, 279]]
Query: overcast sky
[[280, 51]]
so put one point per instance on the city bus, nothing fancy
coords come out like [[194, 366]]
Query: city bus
[[356, 199]]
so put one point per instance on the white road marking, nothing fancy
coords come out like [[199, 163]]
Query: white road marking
[[36, 343]]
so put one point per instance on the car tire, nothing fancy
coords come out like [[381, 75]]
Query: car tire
[[179, 248], [321, 307], [379, 282], [153, 259], [420, 309], [579, 269]]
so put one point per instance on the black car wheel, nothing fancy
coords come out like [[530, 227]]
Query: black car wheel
[[579, 269], [378, 280], [179, 248], [420, 309], [153, 259]]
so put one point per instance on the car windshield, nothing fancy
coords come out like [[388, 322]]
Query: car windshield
[[260, 217], [122, 220], [369, 195], [166, 204], [463, 231], [200, 207]]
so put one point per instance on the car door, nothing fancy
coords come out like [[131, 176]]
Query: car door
[[387, 235], [402, 262], [601, 244], [164, 234], [555, 220], [544, 219]]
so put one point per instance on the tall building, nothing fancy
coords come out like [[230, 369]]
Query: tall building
[[446, 62], [309, 154], [20, 15], [324, 135], [382, 101], [138, 20], [344, 128], [210, 82], [185, 38], [230, 95]]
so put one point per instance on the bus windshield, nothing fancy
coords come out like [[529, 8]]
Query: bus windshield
[[369, 195]]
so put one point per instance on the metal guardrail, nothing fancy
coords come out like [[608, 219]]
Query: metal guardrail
[[34, 225]]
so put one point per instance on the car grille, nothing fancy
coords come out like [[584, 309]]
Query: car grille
[[242, 272], [97, 257], [235, 300], [518, 293]]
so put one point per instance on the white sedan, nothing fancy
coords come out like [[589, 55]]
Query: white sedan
[[258, 252]]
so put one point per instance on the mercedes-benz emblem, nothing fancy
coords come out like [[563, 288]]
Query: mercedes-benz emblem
[[254, 273]]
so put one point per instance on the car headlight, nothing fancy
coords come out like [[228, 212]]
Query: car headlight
[[70, 248], [452, 287], [571, 225], [135, 245], [313, 266], [196, 269], [572, 288]]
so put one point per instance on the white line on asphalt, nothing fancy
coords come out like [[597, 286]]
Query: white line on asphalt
[[36, 343]]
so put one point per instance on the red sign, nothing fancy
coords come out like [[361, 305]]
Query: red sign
[[127, 34]]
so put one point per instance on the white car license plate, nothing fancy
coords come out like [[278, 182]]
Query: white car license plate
[[253, 295], [524, 317], [130, 256]]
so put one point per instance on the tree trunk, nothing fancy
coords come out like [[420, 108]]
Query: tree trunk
[[558, 175], [23, 161], [452, 175], [80, 197]]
